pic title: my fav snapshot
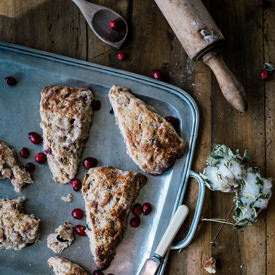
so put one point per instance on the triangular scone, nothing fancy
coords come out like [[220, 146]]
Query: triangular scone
[[66, 115], [11, 168], [108, 193], [17, 229], [62, 266], [151, 141]]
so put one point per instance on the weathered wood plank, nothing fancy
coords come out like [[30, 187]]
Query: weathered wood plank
[[240, 252], [54, 26], [200, 249], [269, 54]]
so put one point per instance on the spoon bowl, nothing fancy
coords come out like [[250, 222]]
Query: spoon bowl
[[98, 19]]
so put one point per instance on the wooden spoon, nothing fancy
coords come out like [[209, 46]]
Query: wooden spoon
[[98, 18]]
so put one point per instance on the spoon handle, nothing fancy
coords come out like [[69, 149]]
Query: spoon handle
[[88, 9]]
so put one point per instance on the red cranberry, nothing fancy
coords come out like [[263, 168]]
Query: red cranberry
[[24, 152], [30, 167], [10, 80], [135, 221], [76, 184], [174, 121], [264, 74], [40, 158], [35, 138], [80, 230], [121, 55], [114, 24], [261, 3], [157, 74], [146, 208], [137, 209], [89, 162], [77, 213], [96, 105]]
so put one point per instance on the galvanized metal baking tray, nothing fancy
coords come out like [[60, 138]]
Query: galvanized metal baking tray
[[19, 115]]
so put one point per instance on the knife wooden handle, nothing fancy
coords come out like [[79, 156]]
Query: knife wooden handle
[[172, 230], [231, 88]]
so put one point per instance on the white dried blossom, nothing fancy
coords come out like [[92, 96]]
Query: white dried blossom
[[224, 169], [228, 172]]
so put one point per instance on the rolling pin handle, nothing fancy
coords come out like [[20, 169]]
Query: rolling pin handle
[[230, 86]]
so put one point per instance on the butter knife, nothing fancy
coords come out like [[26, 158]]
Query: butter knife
[[152, 264]]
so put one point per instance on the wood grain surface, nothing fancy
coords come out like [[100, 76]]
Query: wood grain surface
[[58, 27]]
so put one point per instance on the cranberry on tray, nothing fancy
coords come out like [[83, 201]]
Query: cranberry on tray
[[40, 158], [24, 153], [173, 120], [146, 208], [35, 138], [77, 213], [30, 167], [76, 184], [137, 209], [135, 221], [89, 162], [96, 105], [80, 230], [10, 80]]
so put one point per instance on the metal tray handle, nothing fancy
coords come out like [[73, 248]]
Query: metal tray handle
[[186, 241]]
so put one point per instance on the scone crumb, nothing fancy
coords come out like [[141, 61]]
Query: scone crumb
[[67, 198], [210, 265], [62, 238]]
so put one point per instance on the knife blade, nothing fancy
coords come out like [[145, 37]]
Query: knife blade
[[152, 264]]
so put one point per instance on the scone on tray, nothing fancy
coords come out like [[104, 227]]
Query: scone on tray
[[11, 168], [17, 229], [151, 141], [63, 266], [108, 193], [62, 238], [66, 116]]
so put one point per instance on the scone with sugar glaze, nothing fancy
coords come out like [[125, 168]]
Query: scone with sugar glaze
[[108, 193], [17, 229], [11, 168], [63, 266], [151, 141], [66, 116]]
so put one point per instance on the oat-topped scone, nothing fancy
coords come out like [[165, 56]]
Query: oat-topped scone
[[11, 168], [108, 193], [66, 115], [17, 229], [62, 266], [151, 141], [62, 238]]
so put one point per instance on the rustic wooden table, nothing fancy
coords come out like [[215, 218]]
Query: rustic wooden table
[[58, 27]]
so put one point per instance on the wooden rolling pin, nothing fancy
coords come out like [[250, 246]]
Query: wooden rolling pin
[[200, 37]]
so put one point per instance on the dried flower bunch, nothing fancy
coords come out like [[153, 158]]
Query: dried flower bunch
[[229, 172]]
